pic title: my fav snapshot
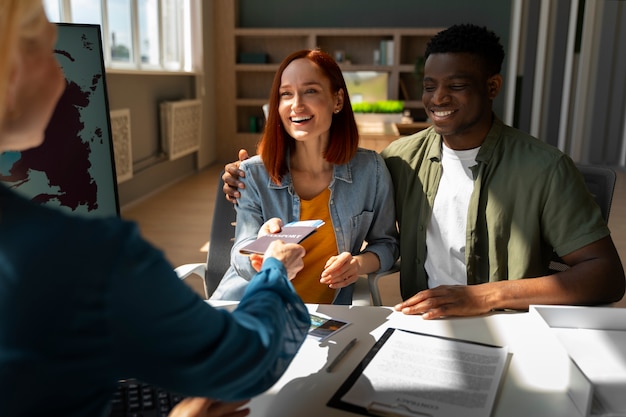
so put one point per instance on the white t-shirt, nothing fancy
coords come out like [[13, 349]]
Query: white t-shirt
[[445, 236]]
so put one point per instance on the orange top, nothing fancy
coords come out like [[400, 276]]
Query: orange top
[[320, 246]]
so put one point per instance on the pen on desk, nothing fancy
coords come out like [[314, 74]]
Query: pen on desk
[[341, 355]]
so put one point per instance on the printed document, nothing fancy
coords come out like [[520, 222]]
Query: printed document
[[415, 374]]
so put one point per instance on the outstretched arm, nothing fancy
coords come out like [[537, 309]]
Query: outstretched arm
[[595, 276], [156, 315]]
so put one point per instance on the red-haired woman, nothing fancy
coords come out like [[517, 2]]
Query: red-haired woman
[[309, 166]]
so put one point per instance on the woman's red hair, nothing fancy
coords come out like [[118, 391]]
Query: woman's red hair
[[344, 136]]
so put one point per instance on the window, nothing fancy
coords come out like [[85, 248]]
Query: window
[[149, 32], [138, 34], [120, 31]]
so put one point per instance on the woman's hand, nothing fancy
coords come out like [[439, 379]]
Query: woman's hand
[[340, 271], [205, 407], [273, 225]]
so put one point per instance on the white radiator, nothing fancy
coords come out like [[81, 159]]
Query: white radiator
[[180, 127], [122, 147]]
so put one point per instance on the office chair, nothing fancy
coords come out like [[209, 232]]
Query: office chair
[[600, 181], [222, 238]]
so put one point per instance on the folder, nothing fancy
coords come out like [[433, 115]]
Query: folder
[[411, 374]]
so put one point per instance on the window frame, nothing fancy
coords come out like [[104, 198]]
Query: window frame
[[189, 38]]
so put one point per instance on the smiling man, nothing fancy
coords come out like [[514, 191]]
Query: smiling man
[[479, 202]]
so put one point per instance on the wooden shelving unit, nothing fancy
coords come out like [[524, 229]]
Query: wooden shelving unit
[[243, 88]]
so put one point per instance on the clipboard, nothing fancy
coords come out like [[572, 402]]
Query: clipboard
[[376, 408], [336, 400]]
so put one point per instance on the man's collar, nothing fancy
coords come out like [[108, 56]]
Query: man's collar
[[486, 148], [489, 144]]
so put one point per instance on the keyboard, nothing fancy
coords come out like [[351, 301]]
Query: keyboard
[[134, 398]]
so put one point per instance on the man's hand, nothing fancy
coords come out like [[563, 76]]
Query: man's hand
[[448, 300], [231, 176], [340, 271], [290, 254], [205, 407], [595, 276]]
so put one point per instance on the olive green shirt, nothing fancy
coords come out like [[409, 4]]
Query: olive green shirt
[[529, 200]]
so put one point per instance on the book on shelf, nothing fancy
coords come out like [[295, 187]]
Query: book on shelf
[[386, 52], [294, 232]]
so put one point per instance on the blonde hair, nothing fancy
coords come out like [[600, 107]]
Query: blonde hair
[[19, 20]]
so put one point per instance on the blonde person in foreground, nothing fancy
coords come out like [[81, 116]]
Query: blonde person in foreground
[[86, 302]]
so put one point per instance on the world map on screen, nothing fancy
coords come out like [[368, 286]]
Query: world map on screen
[[73, 169]]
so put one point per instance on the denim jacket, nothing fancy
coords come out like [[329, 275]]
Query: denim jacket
[[361, 207]]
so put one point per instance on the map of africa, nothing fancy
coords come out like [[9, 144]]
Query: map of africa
[[73, 168]]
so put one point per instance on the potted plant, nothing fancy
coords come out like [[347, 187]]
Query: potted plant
[[387, 111]]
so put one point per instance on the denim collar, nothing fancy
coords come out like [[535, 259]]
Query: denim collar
[[341, 172]]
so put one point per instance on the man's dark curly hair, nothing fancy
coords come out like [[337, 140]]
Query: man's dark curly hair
[[470, 39]]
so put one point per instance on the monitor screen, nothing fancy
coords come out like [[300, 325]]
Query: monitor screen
[[74, 168]]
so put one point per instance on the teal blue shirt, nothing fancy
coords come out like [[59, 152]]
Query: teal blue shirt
[[84, 303], [528, 200]]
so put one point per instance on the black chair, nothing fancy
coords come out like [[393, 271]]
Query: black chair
[[222, 238], [600, 181]]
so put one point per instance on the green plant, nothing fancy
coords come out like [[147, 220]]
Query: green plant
[[387, 106]]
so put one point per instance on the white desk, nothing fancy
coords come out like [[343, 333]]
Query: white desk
[[535, 383]]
